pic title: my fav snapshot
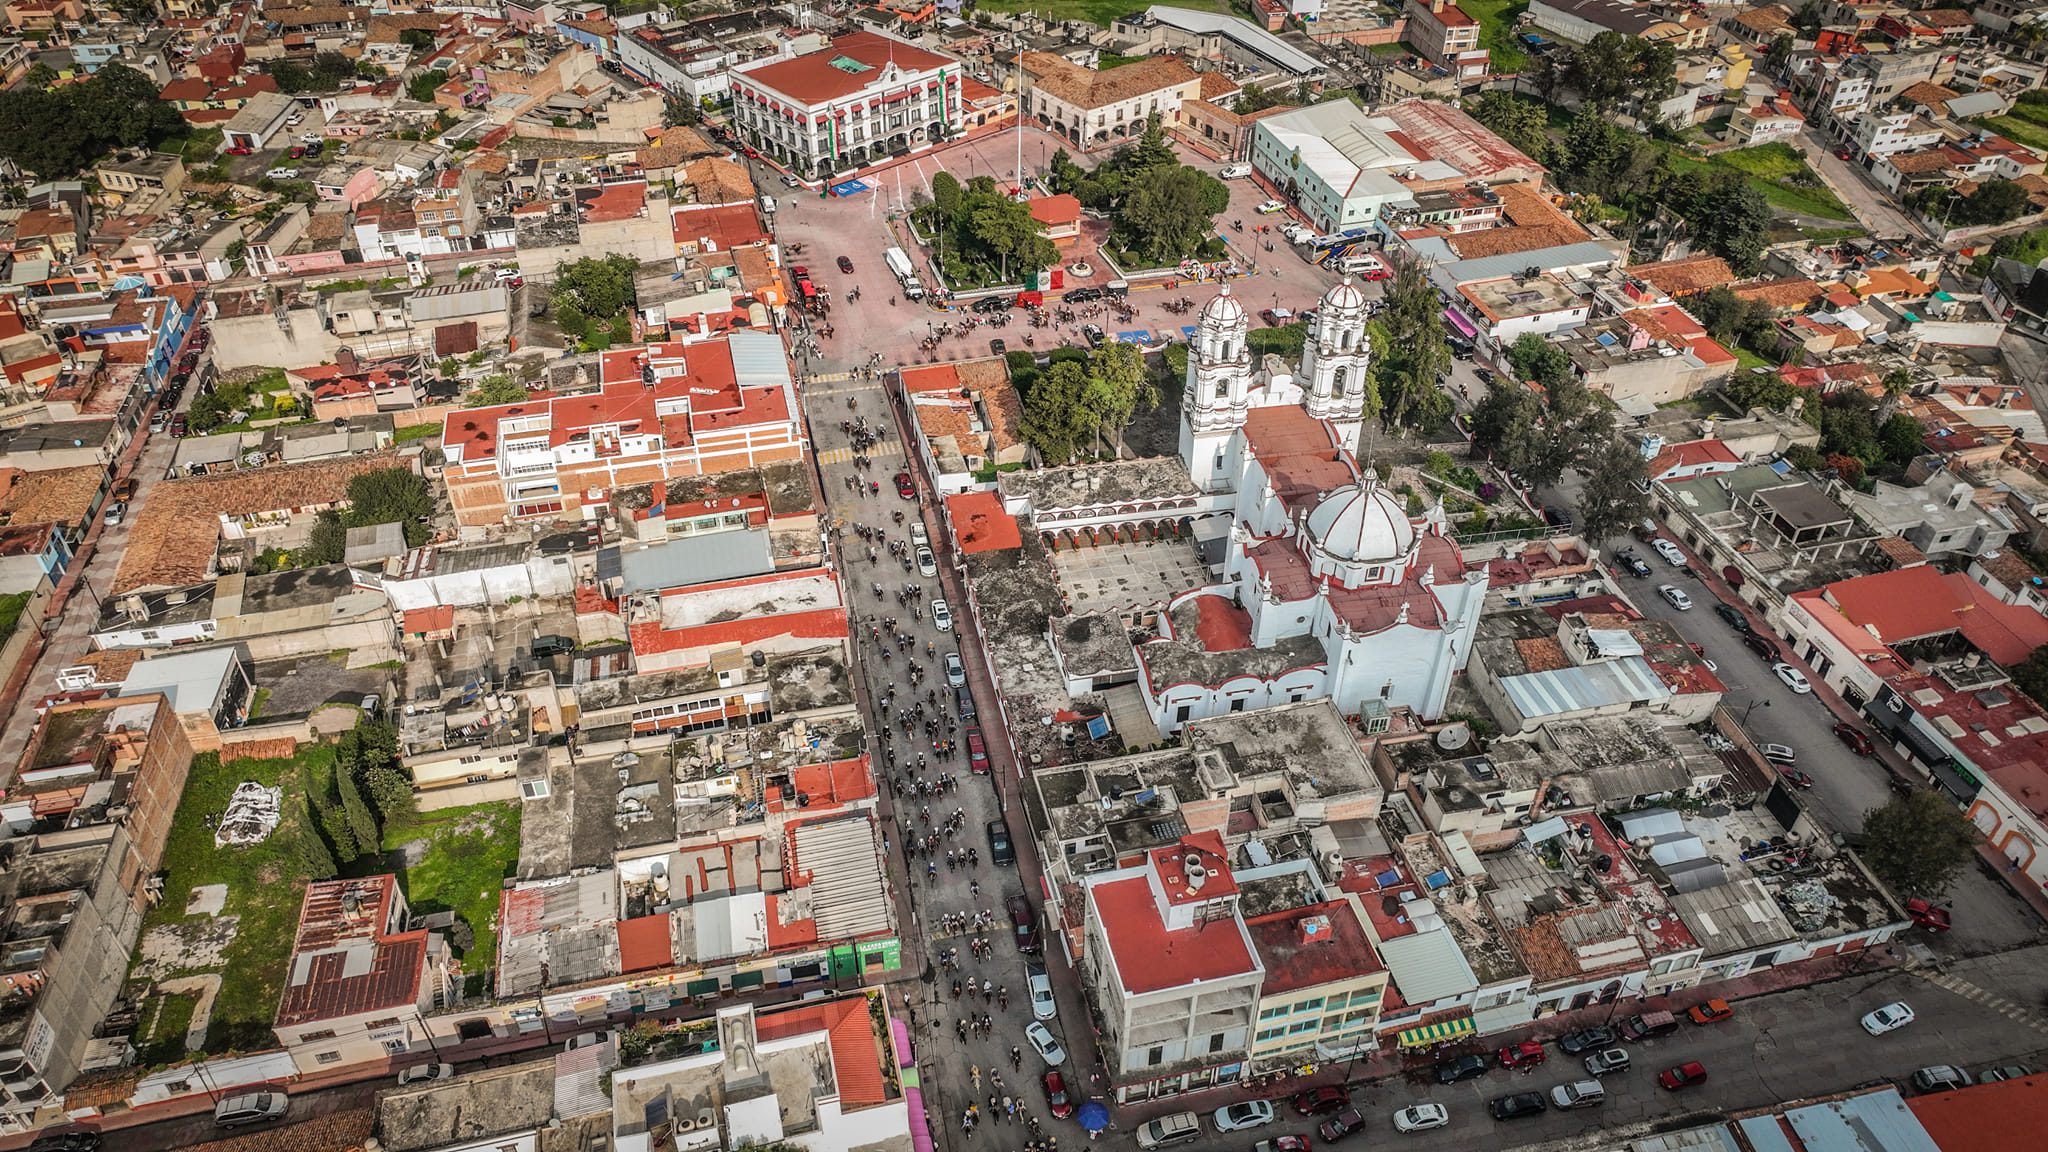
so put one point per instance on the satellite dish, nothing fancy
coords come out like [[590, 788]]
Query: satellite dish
[[1454, 737]]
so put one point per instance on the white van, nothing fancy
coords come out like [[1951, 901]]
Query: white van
[[1235, 171], [1178, 1128]]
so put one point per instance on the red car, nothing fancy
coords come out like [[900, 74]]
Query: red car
[[1527, 1054], [202, 338], [177, 428], [977, 751], [1711, 1012], [846, 265], [1682, 1076], [1056, 1096], [239, 150], [1794, 776], [1927, 914], [904, 487], [1854, 738], [1317, 1101], [298, 152], [188, 362]]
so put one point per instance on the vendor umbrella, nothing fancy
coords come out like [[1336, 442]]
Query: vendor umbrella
[[1094, 1116]]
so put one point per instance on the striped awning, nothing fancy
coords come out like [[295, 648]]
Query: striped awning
[[1437, 1033]]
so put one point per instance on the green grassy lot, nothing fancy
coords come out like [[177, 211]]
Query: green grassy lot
[[469, 852], [411, 432], [1497, 31], [2028, 125], [1770, 169], [162, 1040], [265, 883]]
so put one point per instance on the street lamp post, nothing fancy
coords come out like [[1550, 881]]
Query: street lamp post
[[1752, 707]]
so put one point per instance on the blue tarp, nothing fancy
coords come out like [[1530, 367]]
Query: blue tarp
[[852, 188], [1135, 336]]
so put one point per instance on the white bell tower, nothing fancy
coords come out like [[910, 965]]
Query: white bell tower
[[1216, 398], [1336, 362]]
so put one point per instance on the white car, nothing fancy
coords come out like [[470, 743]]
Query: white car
[[424, 1072], [282, 174], [942, 616], [956, 672], [1235, 171], [504, 274], [1421, 1117], [1678, 598], [1793, 678], [926, 566], [1270, 207], [1045, 1044], [1668, 551], [1891, 1017], [1242, 1115], [1043, 1006]]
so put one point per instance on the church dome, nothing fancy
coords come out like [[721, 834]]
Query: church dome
[[1363, 522], [1224, 310], [1344, 296]]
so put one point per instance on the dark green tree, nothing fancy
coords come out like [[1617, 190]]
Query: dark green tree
[[1005, 230], [1165, 217], [1056, 417], [1519, 121], [316, 860], [1611, 500], [1612, 69], [391, 496], [1539, 361], [492, 390], [1508, 413], [1778, 55], [417, 39], [2031, 675], [1256, 97], [423, 85], [946, 196], [1898, 439], [347, 767], [1918, 842], [597, 288], [1414, 355], [325, 544], [1994, 202]]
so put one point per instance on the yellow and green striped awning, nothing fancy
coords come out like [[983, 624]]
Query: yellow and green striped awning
[[1430, 1034]]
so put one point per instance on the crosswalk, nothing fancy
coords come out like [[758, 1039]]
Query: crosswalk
[[2010, 1009], [833, 456]]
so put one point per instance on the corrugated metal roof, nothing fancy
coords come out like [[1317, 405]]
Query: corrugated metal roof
[[1428, 966], [757, 359], [848, 898], [1873, 1122], [1765, 1134], [1561, 690], [700, 559], [1510, 263]]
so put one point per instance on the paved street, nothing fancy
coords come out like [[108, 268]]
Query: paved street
[[1872, 206], [1778, 1048]]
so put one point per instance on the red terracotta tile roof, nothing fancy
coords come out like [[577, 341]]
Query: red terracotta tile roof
[[981, 525], [815, 78], [645, 944]]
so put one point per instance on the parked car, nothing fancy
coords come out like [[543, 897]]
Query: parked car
[[1460, 1068], [1765, 648], [1732, 616], [1080, 295], [989, 304], [1682, 1075], [977, 751], [956, 672], [1000, 851], [1043, 1004], [1094, 334], [998, 346], [1267, 208], [1648, 1026], [1341, 1125], [1669, 551], [1793, 678], [116, 512], [1235, 171], [1585, 1040], [1056, 1097], [1677, 597], [1577, 1094], [904, 487], [1987, 1076], [1516, 1106], [1043, 1041], [1282, 1144], [1929, 915], [1317, 1101], [1940, 1078], [942, 615], [1557, 517], [77, 1140], [1023, 926], [1890, 1018], [252, 1108], [1633, 564], [178, 425], [424, 1073], [1526, 1054], [927, 564], [1607, 1061], [1794, 776], [587, 1040], [1175, 1129], [1421, 1117], [1244, 1114], [1778, 753], [1854, 738], [1711, 1012]]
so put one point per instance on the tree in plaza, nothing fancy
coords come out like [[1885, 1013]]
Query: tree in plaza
[[1118, 386], [1165, 216], [947, 194], [1611, 500], [1918, 842], [1006, 230], [1063, 175], [1416, 353], [1521, 122], [1056, 417]]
